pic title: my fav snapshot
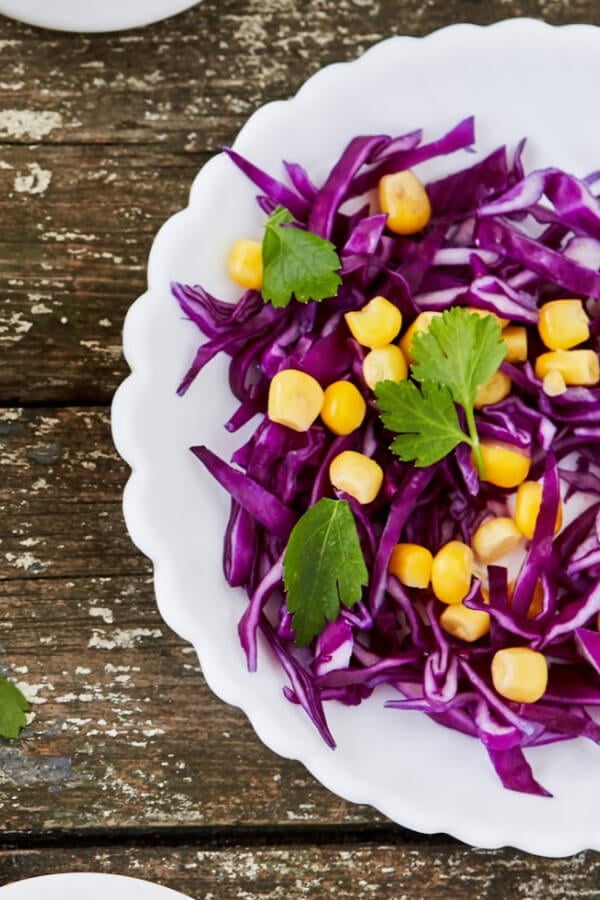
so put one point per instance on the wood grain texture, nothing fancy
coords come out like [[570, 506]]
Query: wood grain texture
[[60, 496], [192, 79], [81, 244], [124, 731], [96, 153], [129, 764], [387, 871]]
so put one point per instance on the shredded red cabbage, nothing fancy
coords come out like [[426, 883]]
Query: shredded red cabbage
[[477, 251]]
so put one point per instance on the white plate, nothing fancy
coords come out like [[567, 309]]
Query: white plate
[[92, 15], [519, 77], [87, 886]]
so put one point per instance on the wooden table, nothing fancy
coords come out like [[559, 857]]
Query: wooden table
[[129, 764]]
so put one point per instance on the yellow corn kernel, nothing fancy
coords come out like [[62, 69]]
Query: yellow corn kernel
[[405, 200], [537, 601], [529, 500], [451, 572], [553, 384], [246, 265], [376, 324], [502, 323], [344, 407], [419, 326], [563, 324], [515, 338], [577, 367], [520, 674], [384, 364], [503, 464], [495, 537], [493, 391], [295, 399], [356, 474], [464, 623], [411, 564]]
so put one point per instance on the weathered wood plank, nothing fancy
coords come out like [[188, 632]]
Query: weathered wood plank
[[77, 226], [60, 496], [193, 77], [125, 730], [99, 139], [78, 216], [339, 871]]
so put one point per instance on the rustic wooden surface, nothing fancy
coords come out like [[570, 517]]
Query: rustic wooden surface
[[128, 763]]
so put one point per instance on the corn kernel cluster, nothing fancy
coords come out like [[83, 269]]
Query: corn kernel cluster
[[296, 400], [563, 325]]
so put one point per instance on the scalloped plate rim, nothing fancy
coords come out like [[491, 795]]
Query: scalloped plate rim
[[114, 15], [29, 888], [490, 835]]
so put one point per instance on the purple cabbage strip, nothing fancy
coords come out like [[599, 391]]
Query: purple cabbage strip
[[463, 192], [334, 647], [400, 510], [573, 615], [301, 683], [300, 180], [336, 188], [575, 205], [461, 137], [250, 621], [495, 735], [515, 772], [399, 145], [475, 252], [380, 672], [260, 503], [275, 190], [553, 266], [540, 557], [239, 546], [588, 644]]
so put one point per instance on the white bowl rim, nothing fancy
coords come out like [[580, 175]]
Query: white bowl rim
[[489, 834]]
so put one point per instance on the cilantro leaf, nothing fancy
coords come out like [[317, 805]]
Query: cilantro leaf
[[459, 353], [426, 420], [297, 263], [323, 566], [461, 350], [13, 706]]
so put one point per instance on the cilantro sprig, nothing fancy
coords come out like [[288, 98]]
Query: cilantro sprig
[[459, 353], [323, 566], [296, 263], [13, 707]]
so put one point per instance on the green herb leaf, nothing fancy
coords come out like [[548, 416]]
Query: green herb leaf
[[460, 350], [426, 420], [459, 353], [323, 566], [13, 706], [297, 263]]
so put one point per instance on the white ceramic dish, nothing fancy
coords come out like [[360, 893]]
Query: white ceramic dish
[[519, 77], [89, 15], [91, 886]]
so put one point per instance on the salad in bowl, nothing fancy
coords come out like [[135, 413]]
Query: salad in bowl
[[363, 426]]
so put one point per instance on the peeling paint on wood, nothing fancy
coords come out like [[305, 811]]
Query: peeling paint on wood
[[381, 870], [100, 138], [125, 704]]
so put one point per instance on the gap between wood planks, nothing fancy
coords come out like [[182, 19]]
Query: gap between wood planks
[[217, 837], [55, 404]]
